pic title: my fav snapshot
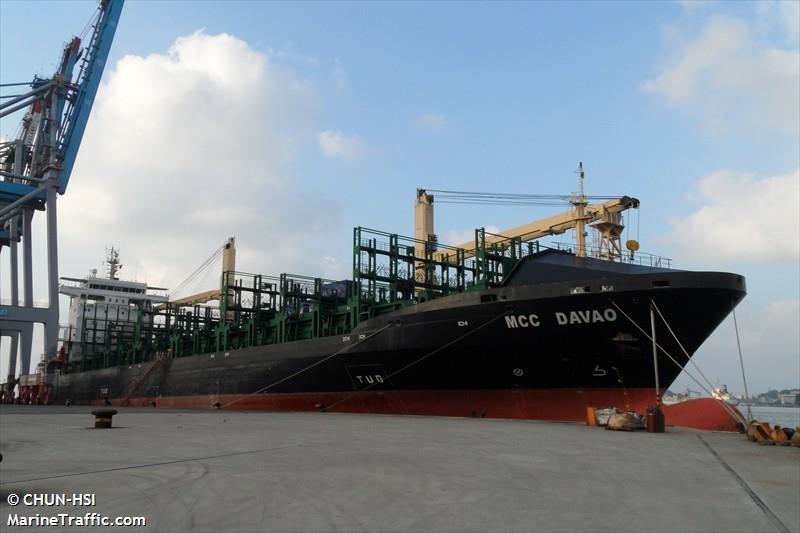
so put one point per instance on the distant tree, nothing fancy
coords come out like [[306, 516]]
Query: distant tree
[[772, 394]]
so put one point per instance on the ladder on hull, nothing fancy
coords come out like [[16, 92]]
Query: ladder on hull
[[134, 386]]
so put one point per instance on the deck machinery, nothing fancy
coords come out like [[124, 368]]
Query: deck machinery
[[390, 271]]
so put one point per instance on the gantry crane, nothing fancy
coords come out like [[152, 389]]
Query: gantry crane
[[36, 167]]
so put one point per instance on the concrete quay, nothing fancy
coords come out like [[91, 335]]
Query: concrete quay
[[219, 471]]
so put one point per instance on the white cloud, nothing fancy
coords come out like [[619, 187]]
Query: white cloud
[[334, 268], [186, 148], [341, 81], [770, 342], [692, 5], [456, 237], [335, 144], [781, 14], [790, 14], [742, 218], [431, 121], [732, 81]]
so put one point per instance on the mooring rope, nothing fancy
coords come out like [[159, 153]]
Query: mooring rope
[[741, 364], [731, 411], [688, 357], [309, 367], [435, 351]]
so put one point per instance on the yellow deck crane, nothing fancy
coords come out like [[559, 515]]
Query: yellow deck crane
[[228, 252], [606, 218]]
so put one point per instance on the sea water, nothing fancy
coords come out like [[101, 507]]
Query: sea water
[[776, 416]]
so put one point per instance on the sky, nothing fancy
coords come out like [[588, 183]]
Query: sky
[[286, 124]]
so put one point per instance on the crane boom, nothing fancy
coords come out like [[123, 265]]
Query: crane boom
[[557, 224], [97, 55], [606, 216], [199, 298], [53, 127], [228, 251]]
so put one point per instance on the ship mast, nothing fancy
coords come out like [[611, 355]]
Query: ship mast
[[112, 260], [580, 203], [423, 229]]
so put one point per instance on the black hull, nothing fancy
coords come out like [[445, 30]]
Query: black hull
[[511, 337]]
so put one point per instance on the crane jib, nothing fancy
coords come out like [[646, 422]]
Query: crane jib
[[97, 55], [46, 150]]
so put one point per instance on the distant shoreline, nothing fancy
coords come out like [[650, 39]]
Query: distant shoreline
[[769, 405]]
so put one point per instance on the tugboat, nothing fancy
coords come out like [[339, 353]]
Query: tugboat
[[721, 393]]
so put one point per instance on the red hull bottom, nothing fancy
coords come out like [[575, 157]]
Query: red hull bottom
[[535, 404]]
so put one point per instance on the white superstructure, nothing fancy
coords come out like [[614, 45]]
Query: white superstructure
[[103, 311]]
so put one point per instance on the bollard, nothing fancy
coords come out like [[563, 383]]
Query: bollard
[[103, 418], [591, 416], [655, 419], [759, 432], [779, 436]]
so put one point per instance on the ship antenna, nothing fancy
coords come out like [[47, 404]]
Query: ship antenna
[[112, 260]]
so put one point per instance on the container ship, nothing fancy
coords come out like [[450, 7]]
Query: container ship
[[501, 326]]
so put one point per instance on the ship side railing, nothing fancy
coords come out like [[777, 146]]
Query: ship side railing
[[67, 282], [638, 258], [388, 267]]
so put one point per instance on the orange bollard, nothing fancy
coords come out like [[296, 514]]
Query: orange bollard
[[759, 432], [591, 416], [779, 436]]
